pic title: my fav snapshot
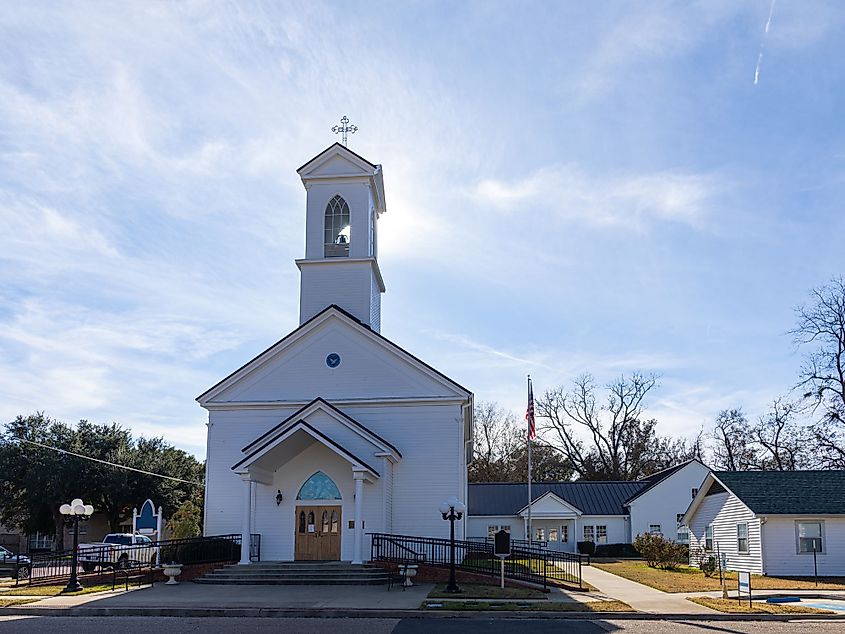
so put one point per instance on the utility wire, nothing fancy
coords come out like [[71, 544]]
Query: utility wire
[[111, 464]]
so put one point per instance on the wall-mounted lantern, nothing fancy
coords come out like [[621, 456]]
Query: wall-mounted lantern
[[279, 498]]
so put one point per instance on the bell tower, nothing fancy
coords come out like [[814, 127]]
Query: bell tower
[[345, 197]]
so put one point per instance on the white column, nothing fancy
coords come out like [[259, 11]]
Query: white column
[[246, 529], [358, 547], [575, 535]]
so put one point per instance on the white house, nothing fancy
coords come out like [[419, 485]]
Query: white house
[[769, 522], [335, 431], [564, 513]]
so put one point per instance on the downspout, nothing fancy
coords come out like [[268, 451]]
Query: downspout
[[763, 521]]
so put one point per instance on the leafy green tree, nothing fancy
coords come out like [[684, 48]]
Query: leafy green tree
[[186, 521], [36, 481]]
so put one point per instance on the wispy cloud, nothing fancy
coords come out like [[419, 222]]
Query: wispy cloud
[[571, 194]]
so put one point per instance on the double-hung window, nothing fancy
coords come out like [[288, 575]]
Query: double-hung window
[[601, 534], [810, 537], [564, 533], [742, 538], [655, 529], [589, 534], [708, 538], [552, 534]]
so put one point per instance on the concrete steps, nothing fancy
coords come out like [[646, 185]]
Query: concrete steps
[[296, 573]]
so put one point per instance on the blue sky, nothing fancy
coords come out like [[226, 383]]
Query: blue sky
[[571, 187]]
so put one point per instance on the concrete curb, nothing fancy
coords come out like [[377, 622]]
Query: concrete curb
[[400, 614]]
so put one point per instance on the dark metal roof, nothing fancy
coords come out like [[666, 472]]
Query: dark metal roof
[[591, 498], [788, 492]]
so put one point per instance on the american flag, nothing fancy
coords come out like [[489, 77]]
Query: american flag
[[529, 413]]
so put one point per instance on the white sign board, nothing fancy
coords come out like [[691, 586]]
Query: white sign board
[[744, 585]]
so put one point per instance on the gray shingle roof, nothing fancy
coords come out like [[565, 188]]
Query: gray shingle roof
[[788, 492], [592, 498]]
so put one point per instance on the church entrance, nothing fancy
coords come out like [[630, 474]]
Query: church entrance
[[317, 533]]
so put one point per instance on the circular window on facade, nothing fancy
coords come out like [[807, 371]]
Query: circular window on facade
[[333, 360]]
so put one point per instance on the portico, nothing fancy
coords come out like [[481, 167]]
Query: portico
[[308, 461], [554, 520]]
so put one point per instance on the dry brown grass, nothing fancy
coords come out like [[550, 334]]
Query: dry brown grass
[[687, 579], [732, 606]]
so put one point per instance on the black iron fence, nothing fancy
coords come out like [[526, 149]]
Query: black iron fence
[[55, 567], [534, 565], [523, 543]]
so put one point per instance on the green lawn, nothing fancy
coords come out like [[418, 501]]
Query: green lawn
[[5, 603], [52, 591], [732, 606], [481, 591], [493, 606], [688, 579]]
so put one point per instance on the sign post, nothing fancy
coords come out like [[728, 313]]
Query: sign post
[[502, 549], [744, 585]]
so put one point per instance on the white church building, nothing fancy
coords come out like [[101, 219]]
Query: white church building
[[334, 431]]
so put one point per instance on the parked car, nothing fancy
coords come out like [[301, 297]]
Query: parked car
[[116, 550], [12, 565]]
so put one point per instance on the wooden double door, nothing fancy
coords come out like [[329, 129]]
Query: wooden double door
[[317, 533]]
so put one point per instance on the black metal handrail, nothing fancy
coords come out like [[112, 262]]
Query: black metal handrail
[[534, 565], [56, 566]]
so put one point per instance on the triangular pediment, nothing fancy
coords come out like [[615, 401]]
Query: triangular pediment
[[550, 505], [303, 366], [337, 160]]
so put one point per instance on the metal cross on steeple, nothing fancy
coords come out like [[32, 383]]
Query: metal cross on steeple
[[344, 127]]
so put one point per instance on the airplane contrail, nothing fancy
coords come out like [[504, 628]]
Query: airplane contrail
[[762, 42]]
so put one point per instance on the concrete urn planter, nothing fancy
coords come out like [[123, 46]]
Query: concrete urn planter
[[172, 571], [409, 571]]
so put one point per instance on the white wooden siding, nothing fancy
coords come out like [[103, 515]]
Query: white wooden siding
[[724, 511], [781, 557], [424, 477], [666, 500]]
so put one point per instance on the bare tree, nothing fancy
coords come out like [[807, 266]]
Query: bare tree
[[781, 443], [820, 330], [732, 449], [607, 440], [495, 438], [501, 446]]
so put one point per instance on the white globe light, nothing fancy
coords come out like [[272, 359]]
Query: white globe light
[[461, 507], [65, 509], [76, 502], [444, 507], [89, 509], [453, 501], [78, 509]]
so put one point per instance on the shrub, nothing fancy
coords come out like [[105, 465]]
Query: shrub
[[659, 552], [587, 548], [707, 563], [616, 550]]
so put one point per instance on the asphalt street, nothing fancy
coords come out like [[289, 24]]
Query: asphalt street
[[145, 625]]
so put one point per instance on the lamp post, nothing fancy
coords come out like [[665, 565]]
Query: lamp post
[[75, 511], [451, 510]]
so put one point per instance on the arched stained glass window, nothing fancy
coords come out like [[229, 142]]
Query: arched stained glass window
[[334, 521], [336, 240], [319, 487]]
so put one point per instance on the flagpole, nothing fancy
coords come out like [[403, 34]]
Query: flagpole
[[528, 433]]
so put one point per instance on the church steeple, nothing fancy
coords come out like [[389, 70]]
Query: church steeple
[[345, 197]]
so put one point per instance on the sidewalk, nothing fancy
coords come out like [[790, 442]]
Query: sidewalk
[[640, 597], [191, 596]]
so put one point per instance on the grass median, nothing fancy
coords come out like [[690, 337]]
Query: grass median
[[732, 606], [689, 579]]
